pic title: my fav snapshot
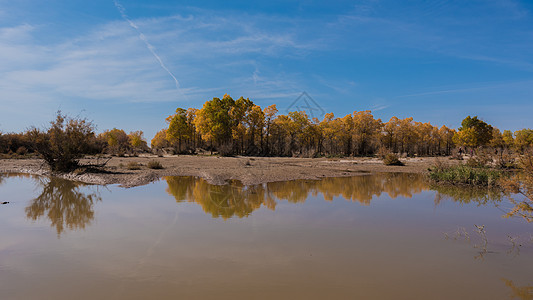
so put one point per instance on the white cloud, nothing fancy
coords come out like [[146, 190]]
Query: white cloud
[[105, 65], [111, 62], [16, 34], [150, 47], [209, 54]]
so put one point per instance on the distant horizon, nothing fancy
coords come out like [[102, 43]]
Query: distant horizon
[[130, 64]]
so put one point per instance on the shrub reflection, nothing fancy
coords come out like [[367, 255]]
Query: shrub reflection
[[64, 204]]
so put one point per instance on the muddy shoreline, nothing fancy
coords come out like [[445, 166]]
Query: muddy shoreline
[[218, 170]]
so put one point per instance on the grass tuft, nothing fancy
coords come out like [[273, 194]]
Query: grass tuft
[[154, 164], [462, 174], [133, 166]]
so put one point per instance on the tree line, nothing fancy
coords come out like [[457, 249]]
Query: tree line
[[65, 132], [67, 140], [240, 127]]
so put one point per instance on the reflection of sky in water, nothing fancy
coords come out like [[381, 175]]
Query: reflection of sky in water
[[371, 236]]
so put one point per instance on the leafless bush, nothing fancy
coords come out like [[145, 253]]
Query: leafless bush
[[65, 142]]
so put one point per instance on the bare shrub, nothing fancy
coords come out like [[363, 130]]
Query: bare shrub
[[482, 159], [65, 142], [133, 166], [225, 149], [154, 164], [504, 160]]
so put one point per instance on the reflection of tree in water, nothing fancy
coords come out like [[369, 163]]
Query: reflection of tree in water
[[519, 292], [224, 201], [234, 199], [363, 188], [479, 195], [357, 188], [64, 204]]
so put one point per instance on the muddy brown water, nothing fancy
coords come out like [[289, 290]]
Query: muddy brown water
[[381, 236]]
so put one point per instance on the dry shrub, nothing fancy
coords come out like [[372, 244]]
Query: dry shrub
[[133, 166], [154, 164], [392, 159], [439, 165], [22, 150], [382, 152], [225, 149], [505, 160], [456, 155], [483, 158], [308, 153], [65, 142]]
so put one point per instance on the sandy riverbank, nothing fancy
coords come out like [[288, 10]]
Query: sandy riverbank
[[218, 170]]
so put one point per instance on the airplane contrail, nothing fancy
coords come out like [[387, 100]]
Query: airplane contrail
[[122, 12]]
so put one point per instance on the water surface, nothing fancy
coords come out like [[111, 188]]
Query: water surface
[[383, 236]]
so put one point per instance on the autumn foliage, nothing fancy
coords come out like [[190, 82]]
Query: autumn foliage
[[243, 128], [240, 127], [116, 141]]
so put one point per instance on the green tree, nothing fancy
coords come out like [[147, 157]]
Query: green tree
[[117, 141], [178, 128], [446, 139], [269, 113], [327, 128], [366, 130], [390, 133], [214, 121], [508, 138], [255, 119], [193, 134], [240, 126], [283, 129], [300, 131], [137, 141], [523, 139], [474, 133]]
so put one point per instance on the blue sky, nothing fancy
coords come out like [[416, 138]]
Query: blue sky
[[129, 64]]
